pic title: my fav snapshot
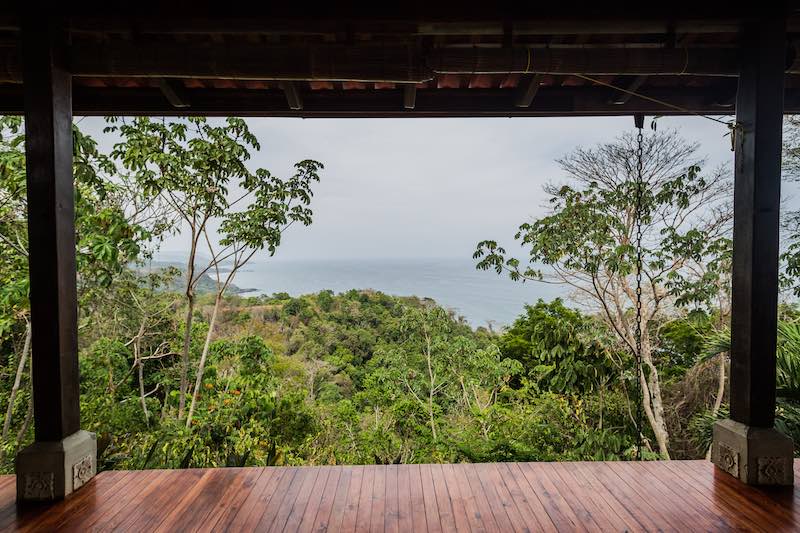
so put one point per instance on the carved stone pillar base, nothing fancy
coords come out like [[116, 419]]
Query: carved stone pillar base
[[757, 456], [48, 471]]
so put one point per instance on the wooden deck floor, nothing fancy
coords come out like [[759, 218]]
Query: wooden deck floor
[[663, 496]]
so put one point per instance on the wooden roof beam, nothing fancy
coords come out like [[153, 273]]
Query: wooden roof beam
[[493, 27], [293, 97], [622, 97], [588, 61], [580, 27], [409, 96], [174, 92], [550, 101], [527, 89], [393, 64]]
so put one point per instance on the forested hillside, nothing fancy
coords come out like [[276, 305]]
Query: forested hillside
[[360, 377]]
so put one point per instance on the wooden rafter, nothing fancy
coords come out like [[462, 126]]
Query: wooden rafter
[[527, 89], [409, 96], [293, 97], [373, 63], [174, 92]]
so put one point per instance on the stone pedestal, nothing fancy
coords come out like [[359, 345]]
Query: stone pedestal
[[48, 471], [757, 456]]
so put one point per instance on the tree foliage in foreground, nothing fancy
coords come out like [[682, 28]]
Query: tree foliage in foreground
[[199, 170], [587, 242]]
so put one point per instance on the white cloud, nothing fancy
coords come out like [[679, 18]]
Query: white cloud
[[428, 187]]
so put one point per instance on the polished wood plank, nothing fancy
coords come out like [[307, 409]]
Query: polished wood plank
[[460, 514], [314, 500], [270, 498], [418, 519], [482, 505], [476, 522], [191, 510], [556, 506], [391, 522], [291, 516], [432, 510], [443, 502], [611, 484], [725, 488], [229, 504], [531, 509], [334, 520], [284, 495], [125, 501], [348, 522], [662, 508], [609, 509], [404, 516], [498, 494], [159, 503], [378, 511], [365, 500], [661, 475], [258, 499], [581, 496]]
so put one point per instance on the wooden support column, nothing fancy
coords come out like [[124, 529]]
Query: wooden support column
[[754, 319], [51, 232], [747, 445], [47, 469]]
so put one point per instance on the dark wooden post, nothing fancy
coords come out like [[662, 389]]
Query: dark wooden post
[[51, 231], [46, 470], [748, 446]]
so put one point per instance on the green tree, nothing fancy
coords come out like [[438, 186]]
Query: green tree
[[564, 350], [191, 164], [587, 242]]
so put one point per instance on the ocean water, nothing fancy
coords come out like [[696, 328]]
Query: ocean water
[[479, 296]]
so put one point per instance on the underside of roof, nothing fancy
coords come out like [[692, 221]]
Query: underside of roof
[[430, 59]]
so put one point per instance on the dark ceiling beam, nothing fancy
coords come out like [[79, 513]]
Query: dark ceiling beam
[[375, 63], [580, 27], [527, 89], [247, 61], [549, 101], [293, 97], [588, 61], [174, 92], [251, 61], [187, 24]]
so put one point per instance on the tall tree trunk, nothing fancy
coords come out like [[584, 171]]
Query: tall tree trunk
[[432, 378], [137, 360], [142, 395], [720, 385], [23, 358], [653, 390], [187, 341], [29, 415], [187, 334], [201, 366], [27, 422], [720, 394]]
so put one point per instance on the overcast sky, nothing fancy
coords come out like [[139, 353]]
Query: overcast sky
[[403, 188]]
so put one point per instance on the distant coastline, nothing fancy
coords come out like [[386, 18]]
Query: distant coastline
[[480, 297]]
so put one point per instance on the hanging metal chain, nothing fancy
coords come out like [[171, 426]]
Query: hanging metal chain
[[637, 218]]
